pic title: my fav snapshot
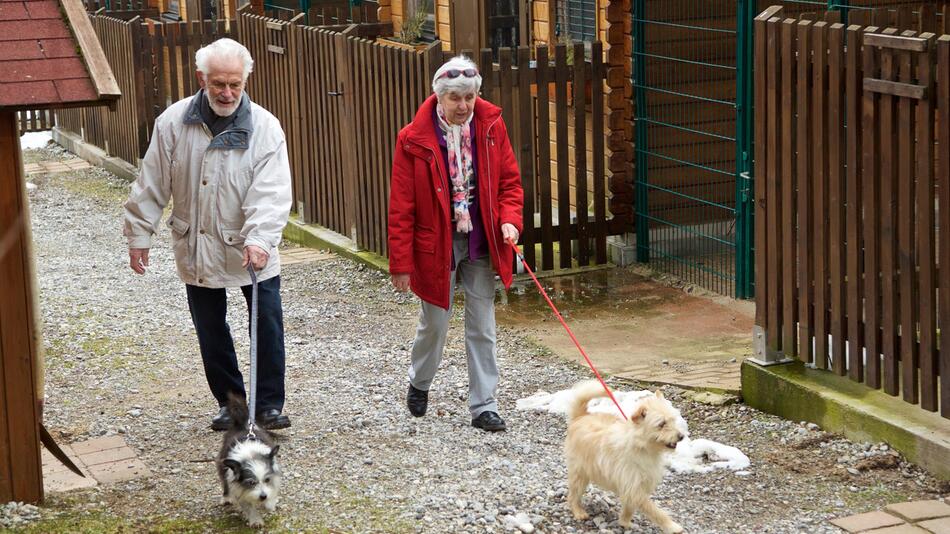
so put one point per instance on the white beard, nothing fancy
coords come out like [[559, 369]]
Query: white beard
[[219, 110]]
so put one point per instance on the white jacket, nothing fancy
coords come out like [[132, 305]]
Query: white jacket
[[228, 192]]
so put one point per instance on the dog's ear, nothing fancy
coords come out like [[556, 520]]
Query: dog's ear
[[273, 452], [233, 465], [639, 414], [659, 394]]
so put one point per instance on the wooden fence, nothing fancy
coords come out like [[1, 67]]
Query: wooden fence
[[342, 99], [34, 120], [847, 203], [154, 65]]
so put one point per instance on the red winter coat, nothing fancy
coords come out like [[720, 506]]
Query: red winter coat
[[420, 225]]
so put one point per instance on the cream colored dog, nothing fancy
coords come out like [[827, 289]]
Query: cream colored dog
[[622, 456]]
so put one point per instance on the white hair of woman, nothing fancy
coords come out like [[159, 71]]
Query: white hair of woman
[[458, 75], [224, 49]]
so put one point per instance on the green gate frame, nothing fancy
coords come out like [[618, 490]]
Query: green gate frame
[[743, 211]]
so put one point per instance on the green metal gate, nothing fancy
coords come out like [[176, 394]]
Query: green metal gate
[[692, 91], [693, 94]]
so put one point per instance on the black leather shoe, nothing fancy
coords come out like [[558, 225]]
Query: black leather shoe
[[272, 419], [417, 401], [490, 422], [222, 421]]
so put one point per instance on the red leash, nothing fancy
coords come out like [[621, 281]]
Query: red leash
[[564, 324]]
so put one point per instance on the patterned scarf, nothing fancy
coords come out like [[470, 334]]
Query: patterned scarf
[[458, 141]]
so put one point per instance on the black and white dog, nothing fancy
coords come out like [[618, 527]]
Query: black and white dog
[[247, 466]]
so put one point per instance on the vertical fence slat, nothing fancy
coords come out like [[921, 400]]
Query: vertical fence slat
[[544, 160], [943, 189], [789, 268], [853, 38], [580, 155], [563, 158], [526, 132], [773, 177], [836, 196], [820, 199], [906, 253], [926, 281], [888, 177], [597, 126], [870, 183], [762, 275]]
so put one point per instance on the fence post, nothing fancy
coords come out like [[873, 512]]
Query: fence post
[[344, 61], [744, 92], [640, 135]]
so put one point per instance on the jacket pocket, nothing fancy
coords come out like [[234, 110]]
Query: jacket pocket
[[233, 249], [424, 241], [179, 227]]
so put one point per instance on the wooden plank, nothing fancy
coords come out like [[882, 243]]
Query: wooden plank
[[789, 230], [896, 42], [762, 274], [580, 158], [544, 157], [597, 126], [906, 251], [17, 324], [773, 178], [870, 187], [506, 84], [526, 131], [93, 56], [926, 281], [943, 212], [563, 185], [853, 213], [350, 185], [888, 159], [900, 89], [820, 203], [836, 197]]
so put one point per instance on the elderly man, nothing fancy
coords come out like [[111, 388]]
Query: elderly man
[[222, 160]]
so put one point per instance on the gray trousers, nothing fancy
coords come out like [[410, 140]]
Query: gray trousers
[[478, 280]]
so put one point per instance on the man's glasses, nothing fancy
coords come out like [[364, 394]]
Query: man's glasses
[[455, 73]]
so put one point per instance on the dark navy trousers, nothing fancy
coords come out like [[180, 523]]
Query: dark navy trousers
[[209, 308]]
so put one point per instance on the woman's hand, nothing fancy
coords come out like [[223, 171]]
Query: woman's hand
[[400, 282], [509, 233]]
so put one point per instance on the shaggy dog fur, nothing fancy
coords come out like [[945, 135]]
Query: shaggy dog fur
[[248, 469], [622, 456]]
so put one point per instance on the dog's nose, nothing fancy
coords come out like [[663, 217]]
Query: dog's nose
[[679, 437], [263, 496]]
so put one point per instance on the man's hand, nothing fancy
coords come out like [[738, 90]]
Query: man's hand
[[400, 282], [256, 256], [138, 259], [509, 233]]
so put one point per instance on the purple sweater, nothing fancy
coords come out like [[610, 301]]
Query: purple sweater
[[477, 242]]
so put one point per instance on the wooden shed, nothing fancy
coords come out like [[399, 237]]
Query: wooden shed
[[49, 58]]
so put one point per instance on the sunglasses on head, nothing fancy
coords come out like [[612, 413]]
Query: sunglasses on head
[[455, 73]]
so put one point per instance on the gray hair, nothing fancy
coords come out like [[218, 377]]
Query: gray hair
[[224, 49], [461, 85]]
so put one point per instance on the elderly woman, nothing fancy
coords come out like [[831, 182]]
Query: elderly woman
[[454, 207]]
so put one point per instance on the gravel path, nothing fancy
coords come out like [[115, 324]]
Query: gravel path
[[122, 358]]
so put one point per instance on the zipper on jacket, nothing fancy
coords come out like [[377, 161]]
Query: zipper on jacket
[[443, 181]]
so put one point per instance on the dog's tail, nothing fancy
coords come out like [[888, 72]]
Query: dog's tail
[[584, 392], [237, 408]]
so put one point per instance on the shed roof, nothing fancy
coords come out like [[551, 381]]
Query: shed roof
[[50, 56]]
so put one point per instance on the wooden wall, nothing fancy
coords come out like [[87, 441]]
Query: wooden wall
[[21, 477]]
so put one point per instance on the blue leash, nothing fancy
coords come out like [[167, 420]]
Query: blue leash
[[252, 396]]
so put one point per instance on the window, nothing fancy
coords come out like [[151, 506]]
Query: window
[[428, 28], [577, 20]]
